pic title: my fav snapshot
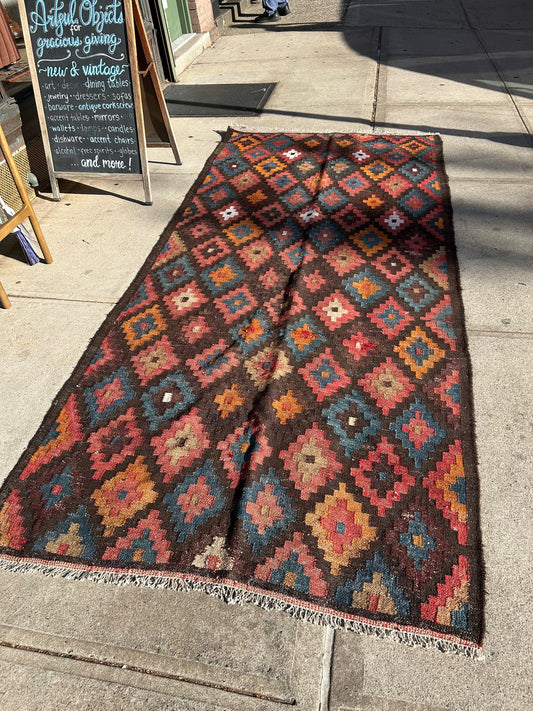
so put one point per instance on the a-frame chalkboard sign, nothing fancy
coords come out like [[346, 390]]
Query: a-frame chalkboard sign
[[93, 75]]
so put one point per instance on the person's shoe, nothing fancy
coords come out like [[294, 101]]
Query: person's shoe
[[265, 17], [284, 10]]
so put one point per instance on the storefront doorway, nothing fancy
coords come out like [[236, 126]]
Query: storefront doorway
[[178, 19], [172, 26]]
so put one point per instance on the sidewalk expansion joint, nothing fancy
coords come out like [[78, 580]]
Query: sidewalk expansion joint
[[149, 672], [515, 335], [64, 299], [376, 80], [327, 662]]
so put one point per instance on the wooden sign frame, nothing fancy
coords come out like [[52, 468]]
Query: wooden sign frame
[[134, 28]]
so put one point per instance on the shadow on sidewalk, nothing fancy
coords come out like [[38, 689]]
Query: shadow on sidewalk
[[485, 45]]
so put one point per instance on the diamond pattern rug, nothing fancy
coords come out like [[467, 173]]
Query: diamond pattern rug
[[279, 408]]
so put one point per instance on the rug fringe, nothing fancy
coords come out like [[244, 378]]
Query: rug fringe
[[232, 594], [368, 130]]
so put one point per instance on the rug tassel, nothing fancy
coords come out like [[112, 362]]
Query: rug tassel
[[238, 596]]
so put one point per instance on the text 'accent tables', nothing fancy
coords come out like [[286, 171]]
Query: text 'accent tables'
[[84, 64]]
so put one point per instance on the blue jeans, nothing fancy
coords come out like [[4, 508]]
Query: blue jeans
[[272, 5]]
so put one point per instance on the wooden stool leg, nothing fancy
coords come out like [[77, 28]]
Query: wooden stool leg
[[4, 300], [40, 236]]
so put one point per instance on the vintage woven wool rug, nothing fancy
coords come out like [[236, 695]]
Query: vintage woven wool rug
[[278, 410]]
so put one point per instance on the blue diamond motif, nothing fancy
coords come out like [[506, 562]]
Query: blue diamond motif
[[217, 286], [80, 523], [195, 500], [420, 549], [415, 170], [254, 324], [415, 195], [100, 408], [58, 488], [345, 593], [286, 234], [278, 143], [379, 145], [219, 195], [263, 525], [299, 580], [365, 286], [141, 543], [167, 399], [326, 235], [352, 421], [232, 166], [420, 440], [175, 273], [332, 199], [417, 292], [301, 344], [296, 198]]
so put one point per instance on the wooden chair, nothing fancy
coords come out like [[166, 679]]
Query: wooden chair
[[26, 211]]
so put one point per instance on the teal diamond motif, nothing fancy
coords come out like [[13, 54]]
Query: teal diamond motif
[[167, 399], [352, 421], [418, 431], [417, 540]]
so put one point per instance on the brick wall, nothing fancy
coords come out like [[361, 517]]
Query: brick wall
[[201, 12]]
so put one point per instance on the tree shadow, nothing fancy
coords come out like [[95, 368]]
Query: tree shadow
[[487, 47]]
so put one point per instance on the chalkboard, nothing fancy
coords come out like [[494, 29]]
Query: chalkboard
[[82, 67]]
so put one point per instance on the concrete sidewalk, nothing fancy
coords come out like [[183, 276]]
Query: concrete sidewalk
[[462, 68]]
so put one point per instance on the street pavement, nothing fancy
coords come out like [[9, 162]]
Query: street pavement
[[462, 68]]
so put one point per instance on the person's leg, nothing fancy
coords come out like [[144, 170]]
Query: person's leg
[[270, 6], [271, 12]]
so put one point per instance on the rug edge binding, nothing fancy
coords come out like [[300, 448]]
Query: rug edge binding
[[237, 594]]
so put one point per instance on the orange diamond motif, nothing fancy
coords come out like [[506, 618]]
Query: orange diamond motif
[[122, 496], [373, 202], [287, 407], [223, 275], [229, 400], [341, 528], [419, 352]]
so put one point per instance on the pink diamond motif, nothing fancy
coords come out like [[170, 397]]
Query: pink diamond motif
[[284, 306], [154, 360], [256, 253], [212, 363], [324, 375], [186, 299], [358, 345], [335, 310], [195, 329], [310, 461], [236, 303], [314, 281], [181, 444], [382, 477], [393, 264], [387, 385], [111, 445], [210, 251], [343, 259], [270, 279], [390, 317]]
